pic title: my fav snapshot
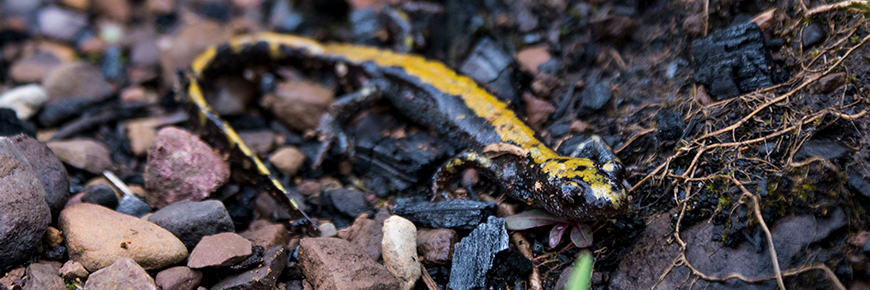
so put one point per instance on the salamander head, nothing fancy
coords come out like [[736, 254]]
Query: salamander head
[[581, 189]]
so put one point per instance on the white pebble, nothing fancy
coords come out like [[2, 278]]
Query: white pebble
[[400, 250], [24, 100]]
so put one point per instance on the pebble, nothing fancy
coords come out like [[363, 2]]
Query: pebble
[[263, 277], [122, 274], [190, 221], [180, 50], [97, 236], [118, 10], [300, 104], [474, 255], [48, 169], [178, 278], [43, 277], [52, 237], [531, 58], [145, 53], [365, 233], [537, 111], [829, 83], [180, 166], [141, 134], [220, 250], [612, 27], [349, 202], [812, 35], [80, 5], [261, 142], [595, 96], [267, 235], [23, 209], [61, 24], [400, 250], [73, 270], [12, 277], [288, 160], [32, 69], [84, 154], [54, 113], [24, 100], [232, 96], [76, 80], [101, 194], [10, 125], [436, 245], [332, 263], [669, 125], [132, 205], [327, 229]]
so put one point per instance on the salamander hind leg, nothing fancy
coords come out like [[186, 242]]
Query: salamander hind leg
[[442, 180], [331, 123]]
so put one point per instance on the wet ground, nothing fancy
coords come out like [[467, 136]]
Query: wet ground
[[742, 124]]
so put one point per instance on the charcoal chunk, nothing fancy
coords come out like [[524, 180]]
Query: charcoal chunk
[[454, 214], [474, 255], [734, 60]]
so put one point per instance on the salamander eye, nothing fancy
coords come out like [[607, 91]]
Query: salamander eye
[[569, 191]]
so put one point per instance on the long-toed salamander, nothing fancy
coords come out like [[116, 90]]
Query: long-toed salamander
[[587, 186]]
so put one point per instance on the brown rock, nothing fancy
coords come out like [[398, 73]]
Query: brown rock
[[80, 5], [48, 169], [43, 277], [84, 154], [612, 27], [76, 80], [232, 95], [288, 160], [72, 270], [97, 236], [52, 237], [267, 235], [400, 250], [532, 57], [118, 10], [829, 83], [141, 133], [178, 278], [123, 274], [33, 68], [436, 245], [366, 234], [24, 214], [537, 111], [181, 166], [220, 250], [299, 105], [332, 264], [190, 41], [261, 142], [13, 277]]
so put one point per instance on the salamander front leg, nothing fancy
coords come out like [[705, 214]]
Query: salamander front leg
[[594, 148], [442, 181], [332, 122]]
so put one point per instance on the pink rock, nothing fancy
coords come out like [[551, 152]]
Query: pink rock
[[181, 166]]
